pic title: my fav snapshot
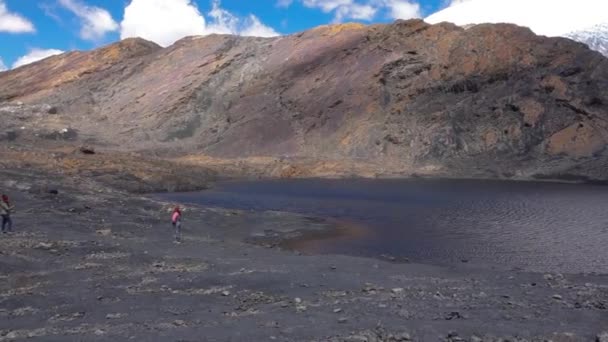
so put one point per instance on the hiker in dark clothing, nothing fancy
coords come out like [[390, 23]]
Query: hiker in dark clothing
[[5, 211], [176, 220]]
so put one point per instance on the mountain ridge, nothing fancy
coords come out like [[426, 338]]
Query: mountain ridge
[[596, 37], [409, 97]]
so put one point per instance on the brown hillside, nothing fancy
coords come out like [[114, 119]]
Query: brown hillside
[[491, 100]]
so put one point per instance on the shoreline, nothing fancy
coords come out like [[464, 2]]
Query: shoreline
[[525, 180], [338, 236], [98, 263], [301, 241]]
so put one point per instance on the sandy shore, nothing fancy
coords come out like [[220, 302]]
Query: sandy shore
[[98, 264]]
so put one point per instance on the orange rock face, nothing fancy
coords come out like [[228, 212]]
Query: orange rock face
[[578, 140]]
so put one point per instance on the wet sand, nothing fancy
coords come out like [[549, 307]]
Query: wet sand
[[98, 264]]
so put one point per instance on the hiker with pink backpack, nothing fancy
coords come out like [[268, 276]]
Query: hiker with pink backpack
[[176, 220]]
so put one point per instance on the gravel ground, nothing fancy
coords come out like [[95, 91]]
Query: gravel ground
[[92, 263]]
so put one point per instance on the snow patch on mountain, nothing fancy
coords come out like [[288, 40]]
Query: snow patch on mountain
[[595, 37], [553, 18]]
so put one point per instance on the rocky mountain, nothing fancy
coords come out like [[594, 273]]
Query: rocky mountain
[[595, 37], [398, 99]]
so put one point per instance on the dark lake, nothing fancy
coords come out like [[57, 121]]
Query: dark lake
[[507, 225]]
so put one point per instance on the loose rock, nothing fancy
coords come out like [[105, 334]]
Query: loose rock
[[453, 315], [403, 337], [87, 150]]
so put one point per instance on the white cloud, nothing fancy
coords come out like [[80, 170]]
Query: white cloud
[[343, 9], [2, 65], [328, 5], [222, 21], [162, 21], [255, 28], [545, 17], [400, 9], [166, 21], [96, 22], [366, 10], [356, 12], [35, 55], [12, 22]]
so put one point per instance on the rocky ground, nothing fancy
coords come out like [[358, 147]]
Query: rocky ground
[[92, 262]]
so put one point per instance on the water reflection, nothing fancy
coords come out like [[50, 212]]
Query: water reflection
[[534, 226]]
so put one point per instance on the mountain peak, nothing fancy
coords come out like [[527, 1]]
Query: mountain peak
[[596, 37], [560, 18]]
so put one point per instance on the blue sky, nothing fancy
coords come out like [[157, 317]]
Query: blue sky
[[34, 28]]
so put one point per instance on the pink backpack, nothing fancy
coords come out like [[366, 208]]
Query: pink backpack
[[175, 217]]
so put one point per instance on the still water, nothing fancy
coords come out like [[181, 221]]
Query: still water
[[506, 225]]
